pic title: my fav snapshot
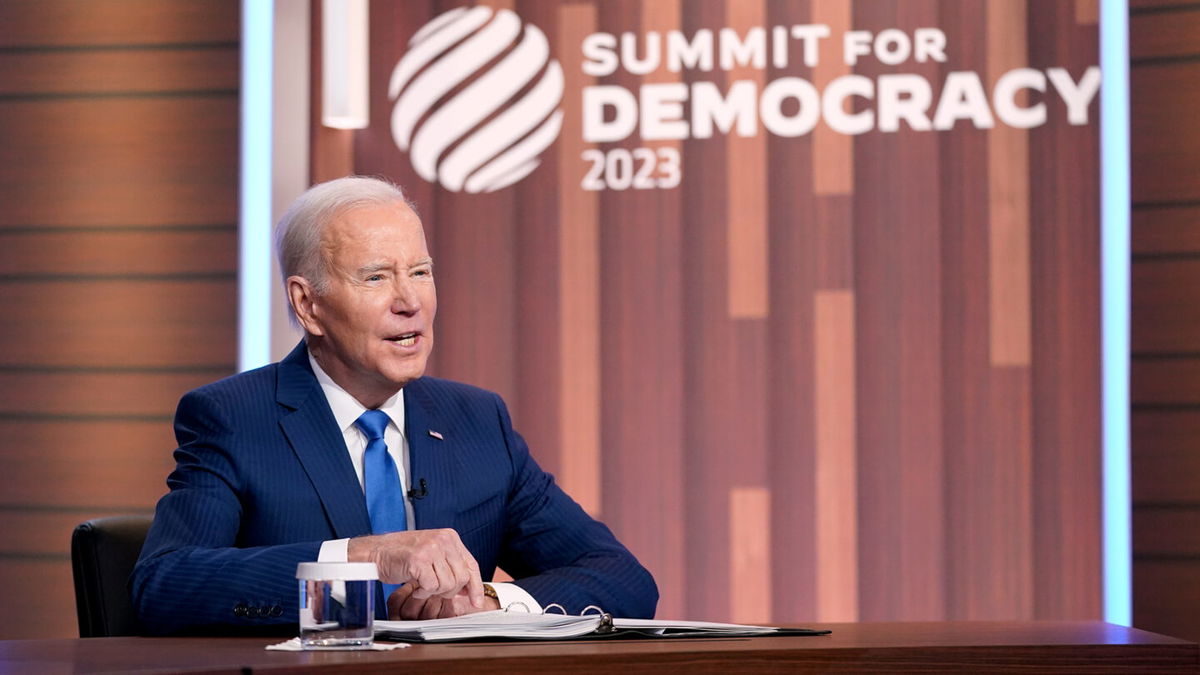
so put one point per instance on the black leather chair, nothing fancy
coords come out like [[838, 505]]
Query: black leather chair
[[103, 552]]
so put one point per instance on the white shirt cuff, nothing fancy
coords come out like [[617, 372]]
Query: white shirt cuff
[[334, 550], [511, 594]]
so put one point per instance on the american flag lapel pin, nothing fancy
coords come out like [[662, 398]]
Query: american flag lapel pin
[[436, 434]]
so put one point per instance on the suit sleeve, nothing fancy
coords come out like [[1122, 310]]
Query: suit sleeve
[[191, 576], [560, 554]]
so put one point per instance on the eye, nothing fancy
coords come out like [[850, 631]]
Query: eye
[[375, 277]]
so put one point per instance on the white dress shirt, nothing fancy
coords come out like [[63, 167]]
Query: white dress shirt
[[346, 410]]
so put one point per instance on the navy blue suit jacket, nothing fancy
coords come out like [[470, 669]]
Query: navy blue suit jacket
[[262, 478]]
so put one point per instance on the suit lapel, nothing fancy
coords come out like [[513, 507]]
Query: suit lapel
[[430, 458], [314, 435]]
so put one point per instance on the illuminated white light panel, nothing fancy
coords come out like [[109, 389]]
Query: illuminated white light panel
[[1114, 308], [254, 217]]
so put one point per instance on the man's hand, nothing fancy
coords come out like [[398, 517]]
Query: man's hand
[[404, 604], [435, 563]]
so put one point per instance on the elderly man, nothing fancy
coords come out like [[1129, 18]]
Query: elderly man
[[343, 451]]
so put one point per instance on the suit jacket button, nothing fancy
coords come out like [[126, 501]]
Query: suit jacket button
[[276, 611], [240, 610]]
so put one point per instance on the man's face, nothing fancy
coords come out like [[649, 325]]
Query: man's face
[[375, 318]]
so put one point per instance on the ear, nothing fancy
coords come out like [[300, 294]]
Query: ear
[[303, 297]]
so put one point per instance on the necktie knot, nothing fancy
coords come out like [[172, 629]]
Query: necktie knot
[[372, 423]]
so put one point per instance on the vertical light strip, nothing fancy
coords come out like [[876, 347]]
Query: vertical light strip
[[1115, 302], [254, 215]]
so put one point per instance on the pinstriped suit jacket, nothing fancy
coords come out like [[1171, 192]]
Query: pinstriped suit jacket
[[262, 477]]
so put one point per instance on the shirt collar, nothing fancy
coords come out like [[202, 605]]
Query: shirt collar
[[347, 409]]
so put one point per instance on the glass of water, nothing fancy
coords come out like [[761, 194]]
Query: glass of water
[[337, 605]]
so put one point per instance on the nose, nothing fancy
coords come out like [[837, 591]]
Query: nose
[[406, 301]]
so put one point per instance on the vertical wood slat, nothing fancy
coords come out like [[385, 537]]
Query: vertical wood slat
[[986, 424], [833, 158], [654, 451], [579, 269], [480, 326], [747, 187], [711, 376], [991, 523], [836, 481], [799, 257], [998, 555], [833, 153], [898, 273], [1008, 198], [750, 555], [736, 401], [967, 431], [536, 234], [1065, 369]]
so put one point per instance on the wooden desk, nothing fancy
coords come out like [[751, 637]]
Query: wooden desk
[[976, 647]]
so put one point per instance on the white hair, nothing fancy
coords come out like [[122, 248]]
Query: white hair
[[298, 233]]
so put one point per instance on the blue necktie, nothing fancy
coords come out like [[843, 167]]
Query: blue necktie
[[381, 481]]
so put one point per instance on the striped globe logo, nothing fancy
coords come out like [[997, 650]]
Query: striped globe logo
[[476, 99]]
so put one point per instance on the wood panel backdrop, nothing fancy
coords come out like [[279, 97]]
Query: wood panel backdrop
[[118, 266], [1164, 47], [826, 377]]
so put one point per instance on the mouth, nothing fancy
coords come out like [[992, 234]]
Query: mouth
[[405, 339]]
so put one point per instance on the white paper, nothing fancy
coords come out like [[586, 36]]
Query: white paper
[[524, 626], [497, 623]]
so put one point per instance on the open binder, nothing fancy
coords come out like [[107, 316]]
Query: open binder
[[503, 624]]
